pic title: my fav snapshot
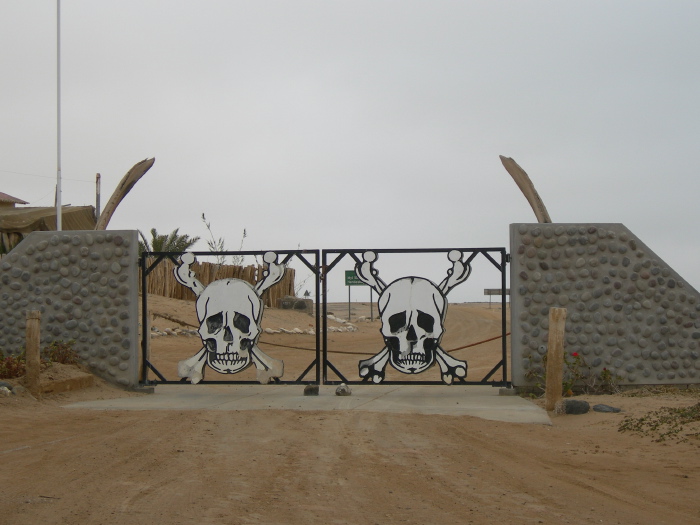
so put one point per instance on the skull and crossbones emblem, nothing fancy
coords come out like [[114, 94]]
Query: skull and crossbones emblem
[[229, 313], [412, 311]]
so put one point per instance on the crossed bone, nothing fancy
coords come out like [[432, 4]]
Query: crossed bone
[[267, 368], [450, 368]]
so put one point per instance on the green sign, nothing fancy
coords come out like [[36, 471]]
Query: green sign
[[351, 279]]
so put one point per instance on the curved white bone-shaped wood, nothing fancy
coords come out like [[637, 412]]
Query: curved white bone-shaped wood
[[192, 368], [457, 274], [185, 276], [267, 367], [272, 275], [373, 368], [367, 273], [450, 367]]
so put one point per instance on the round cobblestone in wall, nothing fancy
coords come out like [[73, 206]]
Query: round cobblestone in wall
[[609, 275]]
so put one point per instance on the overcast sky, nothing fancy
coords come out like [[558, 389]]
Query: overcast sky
[[355, 124]]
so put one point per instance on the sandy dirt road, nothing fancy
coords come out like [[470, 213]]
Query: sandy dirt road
[[284, 467]]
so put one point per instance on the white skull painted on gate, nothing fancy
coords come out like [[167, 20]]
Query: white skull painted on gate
[[412, 312], [229, 312]]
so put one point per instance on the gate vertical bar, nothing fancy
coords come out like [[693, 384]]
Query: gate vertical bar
[[504, 346], [318, 327], [324, 311], [144, 323]]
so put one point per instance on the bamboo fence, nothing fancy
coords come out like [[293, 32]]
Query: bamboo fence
[[161, 280], [9, 241]]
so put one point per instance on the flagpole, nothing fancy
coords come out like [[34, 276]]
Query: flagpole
[[59, 220]]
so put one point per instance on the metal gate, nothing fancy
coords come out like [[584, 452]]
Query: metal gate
[[233, 325], [422, 296], [421, 319]]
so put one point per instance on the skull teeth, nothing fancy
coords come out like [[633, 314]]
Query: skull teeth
[[412, 359], [232, 360]]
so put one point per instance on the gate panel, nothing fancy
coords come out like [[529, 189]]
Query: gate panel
[[411, 339], [229, 338]]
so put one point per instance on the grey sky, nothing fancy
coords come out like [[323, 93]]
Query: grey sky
[[361, 124]]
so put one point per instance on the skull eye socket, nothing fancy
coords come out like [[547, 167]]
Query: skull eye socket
[[397, 322], [425, 321], [241, 323], [215, 322]]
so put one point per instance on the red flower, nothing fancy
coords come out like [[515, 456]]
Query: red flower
[[575, 354]]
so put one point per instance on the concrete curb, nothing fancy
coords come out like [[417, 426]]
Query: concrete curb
[[477, 401]]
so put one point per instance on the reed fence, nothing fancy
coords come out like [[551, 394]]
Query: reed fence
[[161, 280], [9, 241]]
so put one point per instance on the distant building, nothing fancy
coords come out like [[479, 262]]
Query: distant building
[[17, 223], [8, 201]]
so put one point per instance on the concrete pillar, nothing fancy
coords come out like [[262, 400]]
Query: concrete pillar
[[555, 357]]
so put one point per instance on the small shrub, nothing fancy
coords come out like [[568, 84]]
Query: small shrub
[[665, 423], [13, 366], [578, 376], [56, 352], [60, 352]]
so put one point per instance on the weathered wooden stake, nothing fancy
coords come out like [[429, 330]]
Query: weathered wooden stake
[[555, 357], [33, 360]]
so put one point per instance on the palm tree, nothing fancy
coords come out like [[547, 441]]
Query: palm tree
[[172, 242]]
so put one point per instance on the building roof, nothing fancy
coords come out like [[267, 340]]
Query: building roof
[[4, 197], [25, 220]]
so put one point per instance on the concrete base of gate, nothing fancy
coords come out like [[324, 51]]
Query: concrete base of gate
[[478, 401]]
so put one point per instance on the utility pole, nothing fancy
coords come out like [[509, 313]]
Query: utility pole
[[59, 219]]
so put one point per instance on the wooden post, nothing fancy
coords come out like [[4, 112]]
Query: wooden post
[[555, 358], [33, 360]]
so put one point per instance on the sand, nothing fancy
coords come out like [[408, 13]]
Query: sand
[[112, 467]]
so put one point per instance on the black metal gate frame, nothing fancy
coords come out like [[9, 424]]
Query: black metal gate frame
[[147, 268], [474, 252]]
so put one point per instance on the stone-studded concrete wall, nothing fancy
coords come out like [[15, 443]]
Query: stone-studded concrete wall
[[627, 310], [85, 283]]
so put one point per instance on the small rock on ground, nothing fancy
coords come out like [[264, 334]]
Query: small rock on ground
[[343, 390], [576, 406], [311, 390], [606, 408]]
